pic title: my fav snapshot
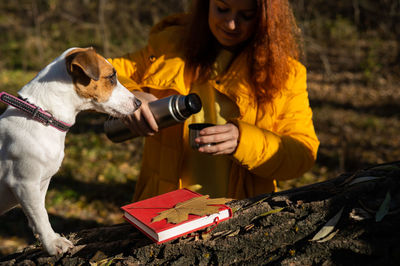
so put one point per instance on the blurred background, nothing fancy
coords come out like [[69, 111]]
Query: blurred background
[[351, 50]]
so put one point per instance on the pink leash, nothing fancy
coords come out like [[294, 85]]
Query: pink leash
[[34, 111]]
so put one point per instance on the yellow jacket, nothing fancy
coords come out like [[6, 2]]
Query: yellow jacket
[[277, 140]]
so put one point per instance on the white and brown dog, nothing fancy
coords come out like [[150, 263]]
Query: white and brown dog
[[33, 129]]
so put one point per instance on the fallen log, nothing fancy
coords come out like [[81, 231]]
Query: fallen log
[[353, 219]]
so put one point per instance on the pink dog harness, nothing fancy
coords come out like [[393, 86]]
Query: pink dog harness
[[36, 112]]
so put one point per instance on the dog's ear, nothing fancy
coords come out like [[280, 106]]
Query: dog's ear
[[83, 61]]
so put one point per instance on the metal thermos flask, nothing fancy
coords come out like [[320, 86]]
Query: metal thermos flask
[[167, 112]]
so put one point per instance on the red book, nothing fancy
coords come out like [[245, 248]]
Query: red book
[[141, 213]]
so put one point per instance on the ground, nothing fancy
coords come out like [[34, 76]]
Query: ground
[[356, 117], [348, 220]]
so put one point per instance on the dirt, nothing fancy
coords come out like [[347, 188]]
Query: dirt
[[257, 236]]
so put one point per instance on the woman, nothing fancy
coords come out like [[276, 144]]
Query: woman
[[239, 56]]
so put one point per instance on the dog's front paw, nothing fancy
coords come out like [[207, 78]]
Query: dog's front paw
[[57, 245]]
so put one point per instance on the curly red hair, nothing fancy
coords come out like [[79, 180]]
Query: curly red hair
[[275, 41]]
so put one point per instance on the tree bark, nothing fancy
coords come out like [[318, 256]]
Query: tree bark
[[275, 229]]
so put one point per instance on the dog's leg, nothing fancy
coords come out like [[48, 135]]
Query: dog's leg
[[44, 185], [32, 204], [43, 190]]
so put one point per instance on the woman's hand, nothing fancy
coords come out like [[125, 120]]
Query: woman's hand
[[225, 139], [142, 120]]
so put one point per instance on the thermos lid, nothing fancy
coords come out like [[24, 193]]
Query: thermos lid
[[193, 104]]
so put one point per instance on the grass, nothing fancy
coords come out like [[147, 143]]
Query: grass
[[13, 80]]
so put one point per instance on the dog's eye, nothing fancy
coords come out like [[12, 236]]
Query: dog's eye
[[113, 78]]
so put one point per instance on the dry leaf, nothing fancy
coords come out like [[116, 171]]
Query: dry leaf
[[248, 227], [198, 206], [384, 208], [257, 202], [234, 233], [390, 167], [267, 213], [364, 179], [359, 214], [328, 237], [227, 233], [328, 227]]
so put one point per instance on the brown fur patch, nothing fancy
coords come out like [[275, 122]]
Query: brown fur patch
[[92, 75]]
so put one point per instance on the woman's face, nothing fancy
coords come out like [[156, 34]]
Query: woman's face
[[232, 22]]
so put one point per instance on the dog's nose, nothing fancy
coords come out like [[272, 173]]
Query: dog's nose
[[137, 103]]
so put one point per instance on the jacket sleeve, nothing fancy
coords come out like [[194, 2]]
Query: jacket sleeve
[[289, 149], [132, 67], [135, 67]]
